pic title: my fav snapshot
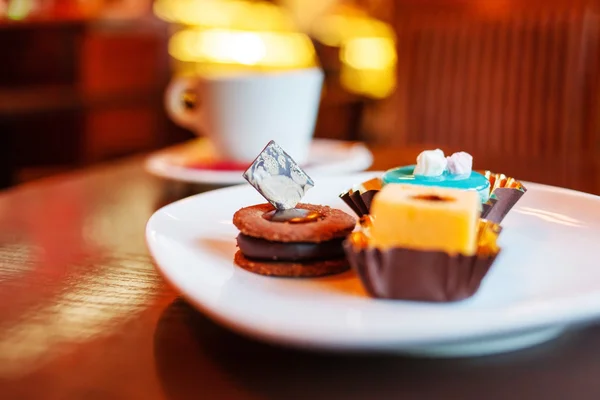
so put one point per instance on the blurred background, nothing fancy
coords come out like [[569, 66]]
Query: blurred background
[[83, 81]]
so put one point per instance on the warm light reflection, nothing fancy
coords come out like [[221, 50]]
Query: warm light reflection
[[108, 278], [19, 9], [369, 53], [239, 15], [335, 30], [306, 12], [230, 33], [369, 66], [97, 304], [371, 83], [242, 47], [18, 252]]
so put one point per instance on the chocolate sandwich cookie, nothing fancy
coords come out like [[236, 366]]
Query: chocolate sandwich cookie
[[286, 248]]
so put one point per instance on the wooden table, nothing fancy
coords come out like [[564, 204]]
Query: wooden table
[[84, 314]]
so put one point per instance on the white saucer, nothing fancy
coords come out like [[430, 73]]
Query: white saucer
[[327, 157], [546, 279]]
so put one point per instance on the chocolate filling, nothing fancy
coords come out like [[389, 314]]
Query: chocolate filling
[[261, 249]]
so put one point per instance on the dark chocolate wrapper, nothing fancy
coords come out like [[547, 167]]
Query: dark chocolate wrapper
[[359, 198], [404, 274], [418, 275]]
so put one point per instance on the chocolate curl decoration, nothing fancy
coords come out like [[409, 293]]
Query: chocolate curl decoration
[[505, 192], [359, 198]]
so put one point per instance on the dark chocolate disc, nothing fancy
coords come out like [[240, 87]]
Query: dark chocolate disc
[[261, 249]]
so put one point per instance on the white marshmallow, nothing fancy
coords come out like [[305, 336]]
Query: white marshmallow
[[460, 163], [431, 163]]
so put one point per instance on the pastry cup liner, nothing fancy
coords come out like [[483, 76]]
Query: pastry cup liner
[[359, 197], [505, 192], [421, 275]]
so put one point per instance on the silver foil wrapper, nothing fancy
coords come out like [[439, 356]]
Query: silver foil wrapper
[[278, 178]]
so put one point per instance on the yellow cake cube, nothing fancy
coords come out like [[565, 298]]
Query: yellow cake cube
[[425, 218]]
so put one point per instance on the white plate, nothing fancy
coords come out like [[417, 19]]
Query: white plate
[[326, 157], [546, 279]]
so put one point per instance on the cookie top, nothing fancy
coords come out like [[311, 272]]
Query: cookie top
[[333, 224]]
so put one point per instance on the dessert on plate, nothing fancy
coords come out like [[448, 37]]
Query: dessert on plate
[[497, 193], [423, 243], [285, 237], [289, 248]]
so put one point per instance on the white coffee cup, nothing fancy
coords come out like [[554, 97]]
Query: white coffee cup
[[241, 112]]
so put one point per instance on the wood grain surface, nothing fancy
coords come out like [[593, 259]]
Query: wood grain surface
[[84, 314]]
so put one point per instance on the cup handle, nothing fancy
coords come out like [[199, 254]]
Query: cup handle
[[182, 103]]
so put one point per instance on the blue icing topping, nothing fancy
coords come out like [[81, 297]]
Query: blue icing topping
[[475, 181]]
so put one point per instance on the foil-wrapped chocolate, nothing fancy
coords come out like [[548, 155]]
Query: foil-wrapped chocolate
[[418, 275], [360, 196], [278, 178]]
